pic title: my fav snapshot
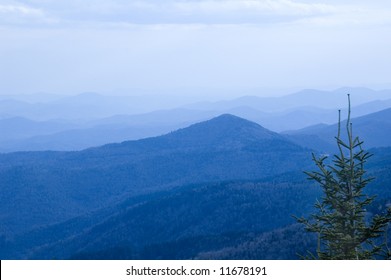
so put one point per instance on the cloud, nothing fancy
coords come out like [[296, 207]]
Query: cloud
[[260, 7], [155, 12], [19, 14], [165, 12], [348, 15], [105, 44], [19, 10]]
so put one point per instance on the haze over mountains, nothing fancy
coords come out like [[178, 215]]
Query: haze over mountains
[[220, 187], [88, 120]]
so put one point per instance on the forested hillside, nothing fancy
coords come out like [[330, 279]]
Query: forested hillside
[[221, 189]]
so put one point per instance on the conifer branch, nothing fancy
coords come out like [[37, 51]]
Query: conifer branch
[[342, 231]]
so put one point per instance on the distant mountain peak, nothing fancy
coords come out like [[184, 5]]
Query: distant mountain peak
[[227, 122], [223, 129], [231, 119]]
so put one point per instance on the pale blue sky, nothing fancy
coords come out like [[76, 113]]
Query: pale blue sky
[[69, 46]]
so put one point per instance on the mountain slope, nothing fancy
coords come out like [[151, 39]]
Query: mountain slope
[[41, 188], [225, 220], [26, 135], [188, 212], [17, 127], [231, 219], [374, 129]]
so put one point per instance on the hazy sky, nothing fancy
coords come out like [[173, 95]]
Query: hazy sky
[[69, 46]]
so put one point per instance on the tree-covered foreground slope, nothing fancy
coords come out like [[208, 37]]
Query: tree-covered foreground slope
[[189, 212]]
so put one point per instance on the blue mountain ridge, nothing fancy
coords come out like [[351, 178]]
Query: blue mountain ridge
[[219, 184]]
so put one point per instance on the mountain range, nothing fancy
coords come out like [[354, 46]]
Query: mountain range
[[72, 123], [222, 188], [224, 148]]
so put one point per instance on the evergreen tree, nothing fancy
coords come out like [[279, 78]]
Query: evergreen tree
[[344, 229]]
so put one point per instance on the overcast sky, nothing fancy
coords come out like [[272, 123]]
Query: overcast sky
[[71, 46]]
